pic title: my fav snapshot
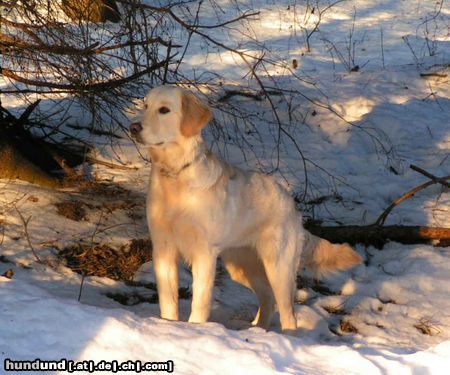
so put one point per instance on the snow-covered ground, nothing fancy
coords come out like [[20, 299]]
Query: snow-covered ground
[[390, 315]]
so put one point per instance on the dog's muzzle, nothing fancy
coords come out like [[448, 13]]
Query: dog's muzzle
[[135, 129]]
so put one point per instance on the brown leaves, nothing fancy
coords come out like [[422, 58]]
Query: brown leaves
[[104, 261], [8, 274]]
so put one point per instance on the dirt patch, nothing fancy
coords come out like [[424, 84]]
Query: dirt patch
[[131, 299], [335, 310], [315, 285], [71, 210], [104, 261], [343, 327], [136, 297], [104, 189], [4, 259], [347, 327], [107, 197], [8, 274]]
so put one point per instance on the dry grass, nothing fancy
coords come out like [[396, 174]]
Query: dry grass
[[104, 261], [103, 189], [93, 186], [104, 196], [427, 327], [71, 210]]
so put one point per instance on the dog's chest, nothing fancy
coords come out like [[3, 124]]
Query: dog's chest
[[169, 199]]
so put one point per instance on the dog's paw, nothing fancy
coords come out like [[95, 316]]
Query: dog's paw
[[198, 318]]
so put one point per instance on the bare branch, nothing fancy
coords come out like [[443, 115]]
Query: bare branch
[[110, 84], [25, 223], [440, 180], [382, 218]]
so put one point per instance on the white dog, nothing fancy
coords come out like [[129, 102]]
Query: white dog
[[199, 207]]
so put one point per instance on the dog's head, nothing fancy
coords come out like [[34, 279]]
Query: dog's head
[[170, 115]]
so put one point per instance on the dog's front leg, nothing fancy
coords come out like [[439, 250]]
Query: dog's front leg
[[203, 273], [166, 271]]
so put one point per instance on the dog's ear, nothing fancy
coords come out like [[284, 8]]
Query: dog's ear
[[196, 114]]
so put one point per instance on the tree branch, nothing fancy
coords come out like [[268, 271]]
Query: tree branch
[[84, 87], [8, 41], [382, 218], [437, 180]]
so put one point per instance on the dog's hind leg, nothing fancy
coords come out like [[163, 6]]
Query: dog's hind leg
[[266, 306], [277, 248], [245, 267]]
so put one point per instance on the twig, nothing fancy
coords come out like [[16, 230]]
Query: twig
[[406, 40], [26, 114], [382, 47], [81, 287], [230, 93], [91, 248], [168, 9], [381, 219], [440, 180], [25, 225], [320, 14], [108, 164], [3, 232], [166, 68], [7, 41], [110, 84], [96, 228], [440, 75]]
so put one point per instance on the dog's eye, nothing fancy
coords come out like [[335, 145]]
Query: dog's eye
[[145, 106], [164, 110]]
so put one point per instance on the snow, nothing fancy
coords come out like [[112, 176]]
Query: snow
[[386, 117], [43, 325]]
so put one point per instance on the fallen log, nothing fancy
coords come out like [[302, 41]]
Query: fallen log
[[377, 236]]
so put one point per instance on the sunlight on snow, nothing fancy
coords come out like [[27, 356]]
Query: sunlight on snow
[[354, 108]]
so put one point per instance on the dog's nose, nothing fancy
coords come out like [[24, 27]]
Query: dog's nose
[[135, 128]]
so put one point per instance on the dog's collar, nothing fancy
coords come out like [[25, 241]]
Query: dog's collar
[[174, 174]]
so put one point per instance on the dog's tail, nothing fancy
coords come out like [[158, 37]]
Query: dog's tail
[[322, 257]]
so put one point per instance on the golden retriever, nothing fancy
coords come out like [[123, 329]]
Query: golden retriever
[[199, 208]]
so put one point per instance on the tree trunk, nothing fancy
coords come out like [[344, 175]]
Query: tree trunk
[[91, 10]]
